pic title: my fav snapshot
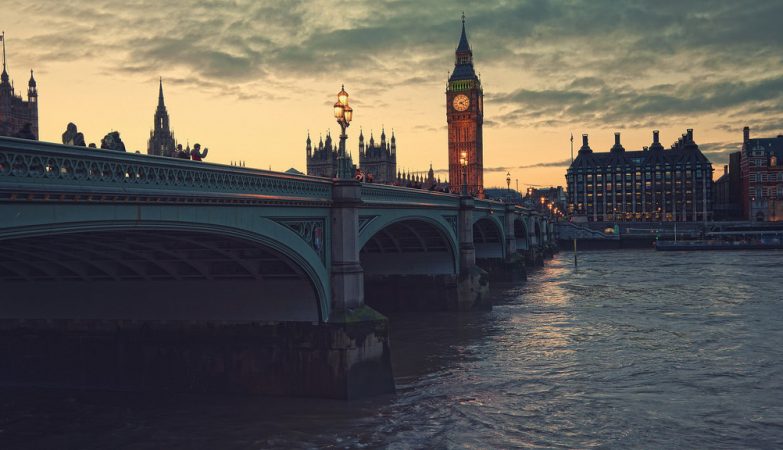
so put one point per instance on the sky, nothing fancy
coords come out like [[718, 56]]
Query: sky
[[249, 78]]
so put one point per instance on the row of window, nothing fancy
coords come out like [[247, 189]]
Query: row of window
[[687, 174], [769, 192], [766, 176]]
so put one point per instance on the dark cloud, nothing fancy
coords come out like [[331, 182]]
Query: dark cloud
[[584, 62]]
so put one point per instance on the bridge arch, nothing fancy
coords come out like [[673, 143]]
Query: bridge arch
[[521, 234], [488, 237], [408, 245], [260, 271]]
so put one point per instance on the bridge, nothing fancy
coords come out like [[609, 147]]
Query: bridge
[[123, 270]]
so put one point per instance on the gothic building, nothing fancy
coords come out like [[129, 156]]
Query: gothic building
[[18, 118], [322, 160], [465, 117], [648, 185], [161, 142], [378, 162]]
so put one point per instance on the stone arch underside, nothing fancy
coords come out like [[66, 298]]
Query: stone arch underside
[[521, 235], [408, 247], [149, 274], [487, 239], [409, 265]]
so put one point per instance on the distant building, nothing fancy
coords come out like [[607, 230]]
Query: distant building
[[727, 191], [762, 177], [18, 118], [161, 142], [555, 196], [322, 160], [378, 161], [652, 184]]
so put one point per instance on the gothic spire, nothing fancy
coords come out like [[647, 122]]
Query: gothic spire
[[4, 75], [160, 95], [463, 40]]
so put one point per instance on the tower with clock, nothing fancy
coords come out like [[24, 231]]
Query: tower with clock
[[465, 117]]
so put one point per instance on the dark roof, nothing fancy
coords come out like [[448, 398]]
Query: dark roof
[[463, 72], [769, 145], [688, 153]]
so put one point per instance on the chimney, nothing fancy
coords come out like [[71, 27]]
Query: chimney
[[656, 138], [584, 140], [725, 169], [617, 138], [745, 134], [690, 134]]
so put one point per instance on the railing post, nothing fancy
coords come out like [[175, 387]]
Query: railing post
[[347, 275]]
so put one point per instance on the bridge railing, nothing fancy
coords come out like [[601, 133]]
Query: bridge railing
[[379, 194], [49, 167]]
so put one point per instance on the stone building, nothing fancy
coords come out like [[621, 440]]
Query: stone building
[[649, 185], [378, 161], [727, 191], [161, 142], [18, 118], [322, 160], [762, 177]]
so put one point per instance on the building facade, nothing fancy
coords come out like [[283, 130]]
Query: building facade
[[465, 118], [648, 185], [762, 177], [322, 160], [161, 141], [727, 191], [18, 118], [378, 161]]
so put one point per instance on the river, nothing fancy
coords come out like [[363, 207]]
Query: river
[[634, 349]]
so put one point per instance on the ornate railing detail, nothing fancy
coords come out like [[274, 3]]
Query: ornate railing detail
[[378, 194], [36, 163]]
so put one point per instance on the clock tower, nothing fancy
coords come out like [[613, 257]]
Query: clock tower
[[465, 117]]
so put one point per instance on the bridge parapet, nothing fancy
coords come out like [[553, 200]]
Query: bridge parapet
[[378, 194], [53, 168]]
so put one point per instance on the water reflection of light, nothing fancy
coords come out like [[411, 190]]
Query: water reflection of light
[[545, 324]]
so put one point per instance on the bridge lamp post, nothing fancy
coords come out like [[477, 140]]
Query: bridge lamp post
[[508, 185], [344, 115], [463, 162]]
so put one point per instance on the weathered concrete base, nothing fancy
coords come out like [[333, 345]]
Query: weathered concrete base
[[406, 293], [346, 358], [498, 269]]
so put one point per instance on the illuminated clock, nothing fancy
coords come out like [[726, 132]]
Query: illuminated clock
[[461, 102]]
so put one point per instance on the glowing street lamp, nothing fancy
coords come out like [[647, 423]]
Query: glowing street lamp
[[344, 115], [463, 162]]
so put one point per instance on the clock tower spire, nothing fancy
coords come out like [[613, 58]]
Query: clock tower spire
[[465, 118]]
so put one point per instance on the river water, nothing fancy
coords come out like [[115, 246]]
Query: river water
[[634, 349]]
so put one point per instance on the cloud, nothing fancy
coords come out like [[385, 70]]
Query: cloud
[[551, 63]]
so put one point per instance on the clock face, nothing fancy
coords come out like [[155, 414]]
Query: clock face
[[461, 102]]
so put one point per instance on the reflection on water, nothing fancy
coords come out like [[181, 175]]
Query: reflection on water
[[632, 349]]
